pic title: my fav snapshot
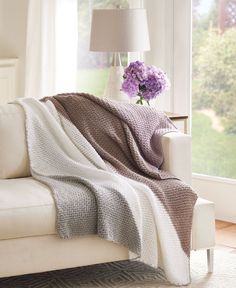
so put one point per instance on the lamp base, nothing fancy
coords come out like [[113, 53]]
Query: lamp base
[[113, 87], [115, 79]]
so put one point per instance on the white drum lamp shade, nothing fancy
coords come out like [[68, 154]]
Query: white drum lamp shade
[[119, 30]]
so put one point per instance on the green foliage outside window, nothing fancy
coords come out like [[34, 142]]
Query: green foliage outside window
[[215, 76], [213, 92]]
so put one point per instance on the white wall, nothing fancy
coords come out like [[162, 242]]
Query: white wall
[[220, 191], [13, 19]]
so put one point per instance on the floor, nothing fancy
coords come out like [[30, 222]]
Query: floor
[[226, 236]]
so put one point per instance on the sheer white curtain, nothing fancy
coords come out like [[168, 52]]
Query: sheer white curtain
[[51, 52]]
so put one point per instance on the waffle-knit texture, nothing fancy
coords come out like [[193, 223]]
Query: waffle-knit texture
[[96, 189], [128, 136]]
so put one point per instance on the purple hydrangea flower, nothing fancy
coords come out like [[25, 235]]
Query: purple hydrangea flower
[[136, 70], [130, 86], [155, 83], [147, 82]]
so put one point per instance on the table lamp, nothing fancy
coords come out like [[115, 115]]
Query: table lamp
[[118, 30]]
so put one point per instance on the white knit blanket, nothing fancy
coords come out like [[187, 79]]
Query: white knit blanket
[[92, 199]]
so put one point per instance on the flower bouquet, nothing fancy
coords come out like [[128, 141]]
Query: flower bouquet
[[146, 82]]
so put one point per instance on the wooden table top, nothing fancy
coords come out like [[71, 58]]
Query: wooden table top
[[176, 116]]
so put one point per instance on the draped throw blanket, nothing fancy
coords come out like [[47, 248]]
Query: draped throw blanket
[[102, 161]]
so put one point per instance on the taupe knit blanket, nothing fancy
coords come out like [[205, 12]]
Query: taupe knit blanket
[[128, 136], [110, 172]]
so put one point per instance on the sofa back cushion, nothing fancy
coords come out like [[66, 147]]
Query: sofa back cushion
[[14, 161]]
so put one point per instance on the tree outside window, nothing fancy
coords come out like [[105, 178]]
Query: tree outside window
[[214, 87]]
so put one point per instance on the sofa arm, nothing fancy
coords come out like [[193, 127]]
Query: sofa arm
[[203, 226], [177, 155]]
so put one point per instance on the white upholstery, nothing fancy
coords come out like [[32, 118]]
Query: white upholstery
[[14, 158], [49, 252], [177, 160], [13, 154], [27, 207], [203, 227], [27, 218], [177, 155], [27, 210]]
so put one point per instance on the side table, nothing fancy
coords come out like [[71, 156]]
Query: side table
[[180, 121]]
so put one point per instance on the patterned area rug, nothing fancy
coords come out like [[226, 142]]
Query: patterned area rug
[[127, 274]]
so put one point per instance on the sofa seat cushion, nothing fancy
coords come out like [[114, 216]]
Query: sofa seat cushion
[[26, 208]]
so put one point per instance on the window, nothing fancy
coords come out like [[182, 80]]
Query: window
[[214, 88], [171, 35], [93, 67]]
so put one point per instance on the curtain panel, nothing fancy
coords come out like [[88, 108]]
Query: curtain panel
[[51, 50]]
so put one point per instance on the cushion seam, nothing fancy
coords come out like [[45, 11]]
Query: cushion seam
[[26, 207]]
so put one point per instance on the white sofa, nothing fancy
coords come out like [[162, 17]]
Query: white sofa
[[28, 240]]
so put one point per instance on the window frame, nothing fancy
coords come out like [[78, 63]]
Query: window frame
[[170, 24]]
